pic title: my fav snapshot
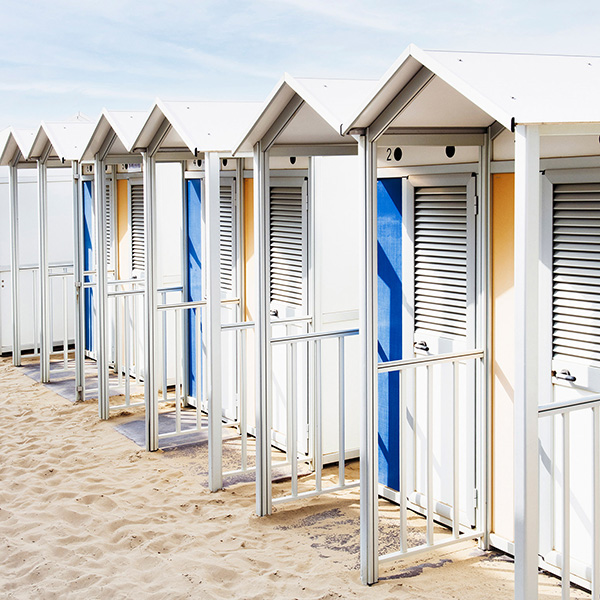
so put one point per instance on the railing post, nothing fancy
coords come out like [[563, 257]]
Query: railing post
[[151, 296], [527, 261], [263, 334], [44, 283], [369, 561], [213, 321], [14, 263], [78, 286], [101, 294]]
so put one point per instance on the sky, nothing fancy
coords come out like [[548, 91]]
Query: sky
[[61, 57]]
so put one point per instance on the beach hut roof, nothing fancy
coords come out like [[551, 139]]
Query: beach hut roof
[[67, 139], [125, 124], [198, 126], [325, 104], [16, 141], [476, 88]]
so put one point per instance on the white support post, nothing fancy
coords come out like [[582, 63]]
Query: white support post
[[101, 292], [527, 264], [78, 286], [213, 295], [44, 281], [263, 335], [369, 561], [151, 297], [14, 263]]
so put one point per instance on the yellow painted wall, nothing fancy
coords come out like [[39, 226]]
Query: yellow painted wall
[[123, 232], [503, 367], [249, 261]]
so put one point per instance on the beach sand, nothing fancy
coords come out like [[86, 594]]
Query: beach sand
[[85, 513]]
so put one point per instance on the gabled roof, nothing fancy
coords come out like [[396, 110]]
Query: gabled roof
[[197, 125], [519, 88], [125, 124], [17, 140], [327, 103], [66, 138]]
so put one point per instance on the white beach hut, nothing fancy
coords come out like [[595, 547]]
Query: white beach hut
[[496, 389]]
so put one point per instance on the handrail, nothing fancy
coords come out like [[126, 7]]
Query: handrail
[[238, 326], [125, 293], [568, 405], [399, 365], [249, 324], [175, 305], [64, 274], [305, 337], [292, 320], [173, 288]]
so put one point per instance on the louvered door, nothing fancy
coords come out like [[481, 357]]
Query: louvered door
[[288, 267], [138, 260], [109, 216], [439, 283], [229, 312], [570, 355]]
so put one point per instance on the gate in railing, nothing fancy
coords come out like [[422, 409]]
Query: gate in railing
[[314, 402], [561, 481], [61, 296], [421, 381]]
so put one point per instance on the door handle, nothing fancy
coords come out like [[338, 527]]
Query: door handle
[[422, 346], [565, 375], [274, 312]]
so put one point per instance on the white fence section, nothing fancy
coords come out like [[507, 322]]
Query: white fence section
[[561, 412], [408, 371], [313, 342]]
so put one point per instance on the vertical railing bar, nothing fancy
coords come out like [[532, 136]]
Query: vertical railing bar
[[455, 451], [164, 345], [127, 349], [289, 367], [596, 507], [35, 313], [65, 323], [243, 398], [566, 524], [319, 417], [429, 439], [51, 287], [198, 311], [118, 337], [177, 391], [134, 347], [294, 408], [342, 412], [402, 450]]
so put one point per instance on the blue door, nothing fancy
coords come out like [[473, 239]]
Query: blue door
[[88, 262], [389, 305], [193, 236]]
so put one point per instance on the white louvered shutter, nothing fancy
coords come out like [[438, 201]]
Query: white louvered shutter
[[440, 276], [138, 261], [108, 224], [576, 272], [287, 245], [227, 238]]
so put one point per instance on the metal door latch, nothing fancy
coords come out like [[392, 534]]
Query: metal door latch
[[422, 346], [565, 375], [274, 312]]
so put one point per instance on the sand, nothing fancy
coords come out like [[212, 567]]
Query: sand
[[85, 513]]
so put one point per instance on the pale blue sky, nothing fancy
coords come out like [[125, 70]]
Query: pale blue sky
[[59, 57]]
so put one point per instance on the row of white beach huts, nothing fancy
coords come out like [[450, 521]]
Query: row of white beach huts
[[404, 270]]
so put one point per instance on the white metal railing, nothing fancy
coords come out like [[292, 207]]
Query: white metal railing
[[126, 325], [179, 327], [58, 274], [314, 342], [563, 411], [458, 532]]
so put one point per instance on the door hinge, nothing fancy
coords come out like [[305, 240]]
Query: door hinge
[[476, 498], [476, 205]]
